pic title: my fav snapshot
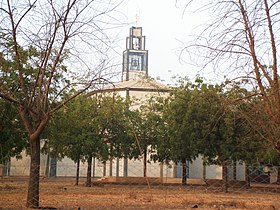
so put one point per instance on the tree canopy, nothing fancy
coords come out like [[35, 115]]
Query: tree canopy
[[36, 39], [240, 40]]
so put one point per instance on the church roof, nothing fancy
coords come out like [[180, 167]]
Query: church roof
[[138, 84]]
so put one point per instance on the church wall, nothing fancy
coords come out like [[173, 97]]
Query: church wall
[[142, 97], [67, 167], [213, 172], [21, 167], [240, 171], [135, 168], [196, 168]]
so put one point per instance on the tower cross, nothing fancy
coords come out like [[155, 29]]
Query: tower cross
[[136, 18]]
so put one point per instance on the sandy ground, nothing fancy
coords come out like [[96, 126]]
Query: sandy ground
[[63, 194]]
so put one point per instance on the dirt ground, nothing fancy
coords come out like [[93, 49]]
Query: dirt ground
[[63, 194]]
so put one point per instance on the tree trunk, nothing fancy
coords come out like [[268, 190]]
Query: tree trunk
[[204, 170], [175, 170], [184, 171], [145, 163], [278, 175], [6, 167], [118, 167], [33, 186], [104, 168], [111, 167], [125, 167], [111, 161], [234, 170], [2, 170], [93, 167], [78, 172], [88, 183], [225, 177], [247, 176], [161, 170]]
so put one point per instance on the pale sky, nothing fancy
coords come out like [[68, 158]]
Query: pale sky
[[166, 25]]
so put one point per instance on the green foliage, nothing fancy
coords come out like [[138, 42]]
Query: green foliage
[[148, 129], [73, 132], [114, 126], [197, 119], [209, 120], [160, 145], [182, 117], [30, 66], [90, 126], [230, 137], [13, 138], [33, 41], [269, 156]]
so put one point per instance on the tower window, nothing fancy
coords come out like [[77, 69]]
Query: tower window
[[135, 62]]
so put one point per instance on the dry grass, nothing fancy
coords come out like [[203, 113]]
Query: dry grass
[[65, 195]]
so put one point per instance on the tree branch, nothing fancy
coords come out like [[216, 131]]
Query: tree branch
[[17, 53]]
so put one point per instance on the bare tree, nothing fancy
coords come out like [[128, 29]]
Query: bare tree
[[39, 39], [241, 37]]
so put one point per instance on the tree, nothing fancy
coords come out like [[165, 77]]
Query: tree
[[203, 119], [93, 127], [184, 124], [114, 128], [81, 139], [88, 133], [162, 145], [145, 128], [56, 136], [149, 130], [229, 136], [10, 131], [243, 37], [36, 38], [222, 146]]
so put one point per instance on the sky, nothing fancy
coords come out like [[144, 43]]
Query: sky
[[166, 26]]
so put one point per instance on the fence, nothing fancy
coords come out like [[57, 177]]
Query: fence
[[120, 184]]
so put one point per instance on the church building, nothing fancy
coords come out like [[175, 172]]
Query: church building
[[135, 82]]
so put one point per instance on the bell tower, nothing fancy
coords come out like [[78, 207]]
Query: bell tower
[[135, 57]]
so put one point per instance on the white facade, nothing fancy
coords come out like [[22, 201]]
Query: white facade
[[67, 168]]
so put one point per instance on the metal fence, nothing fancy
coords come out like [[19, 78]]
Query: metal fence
[[120, 184]]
